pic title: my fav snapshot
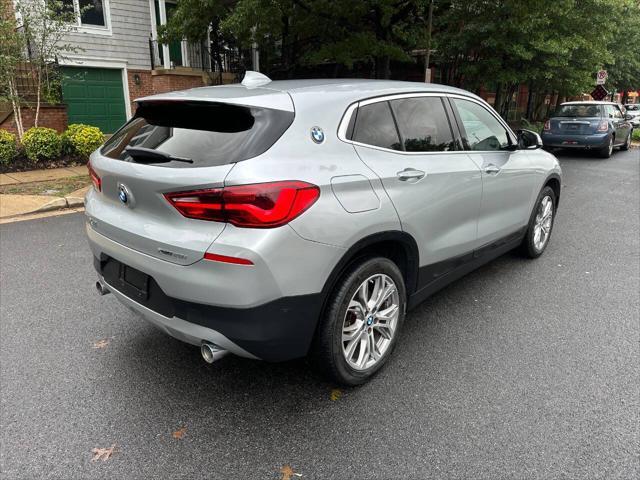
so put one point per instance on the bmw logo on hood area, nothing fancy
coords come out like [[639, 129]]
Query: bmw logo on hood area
[[317, 135]]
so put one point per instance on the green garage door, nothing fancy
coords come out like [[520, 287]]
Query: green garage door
[[94, 96]]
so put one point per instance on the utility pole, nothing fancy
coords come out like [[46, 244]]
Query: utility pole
[[427, 72]]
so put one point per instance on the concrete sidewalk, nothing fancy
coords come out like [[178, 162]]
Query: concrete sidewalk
[[18, 205]]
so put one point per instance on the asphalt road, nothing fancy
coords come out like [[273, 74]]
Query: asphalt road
[[523, 369]]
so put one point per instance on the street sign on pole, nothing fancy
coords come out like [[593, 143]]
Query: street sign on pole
[[601, 77], [599, 93]]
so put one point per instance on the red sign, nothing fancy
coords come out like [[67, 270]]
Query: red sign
[[599, 93]]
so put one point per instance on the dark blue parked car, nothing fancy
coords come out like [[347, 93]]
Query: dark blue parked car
[[598, 126]]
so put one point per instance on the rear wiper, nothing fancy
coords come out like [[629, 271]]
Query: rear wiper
[[148, 155]]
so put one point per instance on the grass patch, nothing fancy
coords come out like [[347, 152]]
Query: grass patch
[[636, 135], [54, 188]]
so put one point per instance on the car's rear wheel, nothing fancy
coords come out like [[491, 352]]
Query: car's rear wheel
[[540, 224], [607, 150], [361, 322], [627, 143]]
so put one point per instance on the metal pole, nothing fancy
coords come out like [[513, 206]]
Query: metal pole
[[427, 72]]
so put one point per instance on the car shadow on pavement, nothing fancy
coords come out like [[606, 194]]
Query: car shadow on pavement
[[174, 371]]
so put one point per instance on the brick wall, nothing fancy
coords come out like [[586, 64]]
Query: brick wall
[[157, 81], [52, 116], [169, 82], [143, 88]]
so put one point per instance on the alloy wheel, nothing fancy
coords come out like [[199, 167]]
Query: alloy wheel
[[370, 322], [543, 223]]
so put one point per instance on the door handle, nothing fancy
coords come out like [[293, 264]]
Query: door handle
[[410, 174], [491, 169]]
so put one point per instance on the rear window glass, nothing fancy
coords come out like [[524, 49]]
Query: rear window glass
[[203, 133], [579, 110]]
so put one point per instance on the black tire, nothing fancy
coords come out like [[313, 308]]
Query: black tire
[[528, 247], [326, 351], [606, 151], [627, 144]]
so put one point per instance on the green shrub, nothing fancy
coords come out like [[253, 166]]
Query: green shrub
[[636, 135], [8, 147], [41, 143], [81, 140]]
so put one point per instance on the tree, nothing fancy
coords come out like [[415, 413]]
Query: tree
[[11, 53], [44, 26], [197, 21]]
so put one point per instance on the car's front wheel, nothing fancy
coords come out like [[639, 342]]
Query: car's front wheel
[[540, 224], [361, 322]]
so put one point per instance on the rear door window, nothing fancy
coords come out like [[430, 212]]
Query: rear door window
[[204, 134], [423, 124], [375, 126]]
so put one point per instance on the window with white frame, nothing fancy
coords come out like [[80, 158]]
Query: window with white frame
[[90, 13]]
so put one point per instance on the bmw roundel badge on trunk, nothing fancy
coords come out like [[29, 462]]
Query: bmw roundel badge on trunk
[[122, 194], [125, 196], [317, 135]]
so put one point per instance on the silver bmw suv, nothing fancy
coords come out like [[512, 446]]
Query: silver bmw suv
[[275, 220]]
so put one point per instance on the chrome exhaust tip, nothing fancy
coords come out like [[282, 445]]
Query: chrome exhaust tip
[[102, 288], [211, 352]]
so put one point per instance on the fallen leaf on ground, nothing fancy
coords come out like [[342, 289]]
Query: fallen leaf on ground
[[179, 433], [103, 454], [336, 393], [287, 472], [101, 343]]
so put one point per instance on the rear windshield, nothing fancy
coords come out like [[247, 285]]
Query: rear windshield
[[579, 110], [203, 133]]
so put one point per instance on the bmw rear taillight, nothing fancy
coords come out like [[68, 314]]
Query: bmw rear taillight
[[95, 179], [547, 125], [259, 205], [603, 126]]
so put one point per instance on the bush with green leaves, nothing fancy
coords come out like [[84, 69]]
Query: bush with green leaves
[[8, 147], [81, 140], [636, 135], [41, 143]]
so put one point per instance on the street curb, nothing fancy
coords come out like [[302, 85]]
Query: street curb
[[55, 204]]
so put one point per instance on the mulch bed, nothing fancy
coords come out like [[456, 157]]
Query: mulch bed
[[23, 164]]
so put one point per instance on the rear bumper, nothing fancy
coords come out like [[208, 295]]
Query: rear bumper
[[254, 312], [277, 331], [562, 140]]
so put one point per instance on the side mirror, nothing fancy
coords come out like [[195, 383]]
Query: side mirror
[[628, 117], [529, 140]]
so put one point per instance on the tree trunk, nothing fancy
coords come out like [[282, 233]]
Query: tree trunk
[[497, 102], [530, 98], [382, 67], [38, 94], [17, 111]]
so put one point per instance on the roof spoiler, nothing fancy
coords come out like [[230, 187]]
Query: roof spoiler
[[255, 79]]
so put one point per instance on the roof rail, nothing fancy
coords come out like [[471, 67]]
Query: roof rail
[[254, 79]]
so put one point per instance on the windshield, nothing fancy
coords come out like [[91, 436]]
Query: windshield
[[196, 134], [579, 110]]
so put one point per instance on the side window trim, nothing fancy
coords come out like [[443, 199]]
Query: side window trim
[[454, 123], [398, 132]]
